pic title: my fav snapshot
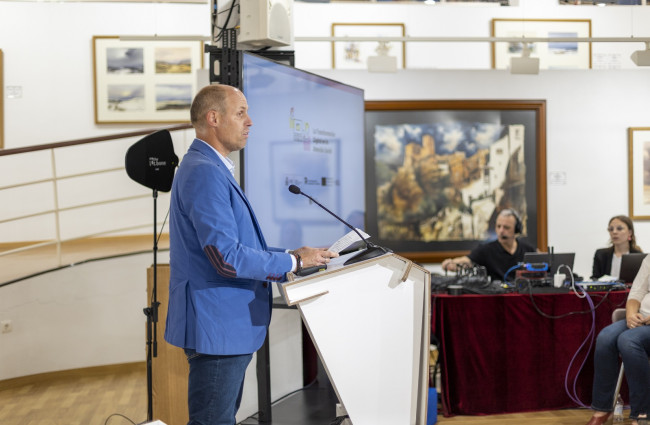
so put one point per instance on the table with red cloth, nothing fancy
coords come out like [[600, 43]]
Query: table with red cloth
[[498, 354]]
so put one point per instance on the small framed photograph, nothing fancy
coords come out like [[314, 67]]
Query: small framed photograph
[[144, 81], [639, 172], [554, 55], [354, 54]]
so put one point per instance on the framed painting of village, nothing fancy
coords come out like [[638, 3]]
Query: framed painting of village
[[438, 172]]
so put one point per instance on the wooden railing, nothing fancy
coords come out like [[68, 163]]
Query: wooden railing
[[56, 195]]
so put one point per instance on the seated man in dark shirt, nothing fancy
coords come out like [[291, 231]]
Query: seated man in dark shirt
[[499, 255]]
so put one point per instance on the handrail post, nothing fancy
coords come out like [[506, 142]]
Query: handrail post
[[57, 221]]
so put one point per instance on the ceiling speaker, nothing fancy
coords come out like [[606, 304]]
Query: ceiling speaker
[[266, 23]]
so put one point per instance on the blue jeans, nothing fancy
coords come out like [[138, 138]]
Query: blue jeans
[[633, 345], [215, 387]]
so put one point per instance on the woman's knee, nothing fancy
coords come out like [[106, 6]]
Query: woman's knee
[[607, 337], [629, 342]]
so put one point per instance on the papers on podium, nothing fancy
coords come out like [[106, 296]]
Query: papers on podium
[[347, 247], [349, 242]]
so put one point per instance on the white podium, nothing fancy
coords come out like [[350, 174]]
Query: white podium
[[370, 324]]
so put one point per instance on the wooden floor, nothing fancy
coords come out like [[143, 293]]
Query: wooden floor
[[96, 396], [82, 397]]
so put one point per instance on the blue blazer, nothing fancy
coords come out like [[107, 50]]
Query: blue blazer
[[219, 292]]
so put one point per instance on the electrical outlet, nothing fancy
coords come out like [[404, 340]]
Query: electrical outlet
[[7, 326]]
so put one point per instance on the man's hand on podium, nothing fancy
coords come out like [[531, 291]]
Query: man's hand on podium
[[315, 256]]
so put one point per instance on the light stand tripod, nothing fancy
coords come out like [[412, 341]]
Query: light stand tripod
[[152, 163], [152, 315]]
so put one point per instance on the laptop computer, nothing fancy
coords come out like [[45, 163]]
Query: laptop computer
[[630, 265], [554, 260]]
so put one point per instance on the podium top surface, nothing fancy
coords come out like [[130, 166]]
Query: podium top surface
[[402, 269]]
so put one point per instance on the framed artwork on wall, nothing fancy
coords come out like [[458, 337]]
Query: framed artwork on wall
[[144, 81], [438, 173], [639, 172], [552, 55], [354, 54]]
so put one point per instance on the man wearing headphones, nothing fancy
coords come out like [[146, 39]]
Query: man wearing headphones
[[499, 255]]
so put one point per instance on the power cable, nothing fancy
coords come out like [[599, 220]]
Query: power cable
[[120, 415]]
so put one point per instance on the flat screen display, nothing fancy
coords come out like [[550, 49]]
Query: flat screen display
[[309, 131]]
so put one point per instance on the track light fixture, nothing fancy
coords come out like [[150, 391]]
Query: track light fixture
[[383, 62], [524, 64], [642, 57]]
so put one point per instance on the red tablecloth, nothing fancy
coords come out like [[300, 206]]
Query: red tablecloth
[[500, 355]]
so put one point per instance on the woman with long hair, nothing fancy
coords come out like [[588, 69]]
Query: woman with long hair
[[607, 261]]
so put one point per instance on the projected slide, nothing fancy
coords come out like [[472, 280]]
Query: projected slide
[[308, 131], [315, 172]]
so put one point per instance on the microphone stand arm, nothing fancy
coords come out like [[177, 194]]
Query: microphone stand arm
[[371, 250], [337, 217]]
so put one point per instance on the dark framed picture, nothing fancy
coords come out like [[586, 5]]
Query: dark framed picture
[[438, 172]]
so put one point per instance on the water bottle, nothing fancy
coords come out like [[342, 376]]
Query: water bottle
[[618, 410]]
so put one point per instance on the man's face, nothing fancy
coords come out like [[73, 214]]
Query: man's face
[[234, 125], [505, 228]]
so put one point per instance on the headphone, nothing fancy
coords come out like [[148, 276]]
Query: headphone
[[519, 227]]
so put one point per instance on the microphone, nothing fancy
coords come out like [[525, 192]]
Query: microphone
[[370, 251]]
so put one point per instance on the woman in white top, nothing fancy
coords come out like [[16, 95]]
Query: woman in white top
[[607, 261], [629, 338]]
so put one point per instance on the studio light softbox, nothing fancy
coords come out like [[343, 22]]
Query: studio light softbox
[[151, 161]]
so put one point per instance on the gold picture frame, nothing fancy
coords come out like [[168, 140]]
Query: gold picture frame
[[638, 169], [553, 55], [144, 81], [2, 98], [354, 54]]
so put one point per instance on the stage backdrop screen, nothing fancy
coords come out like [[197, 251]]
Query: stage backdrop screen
[[309, 131]]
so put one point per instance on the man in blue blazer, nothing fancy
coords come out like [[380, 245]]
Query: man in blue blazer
[[219, 292]]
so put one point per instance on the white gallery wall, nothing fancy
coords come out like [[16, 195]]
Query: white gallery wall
[[48, 59], [464, 20], [47, 47]]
